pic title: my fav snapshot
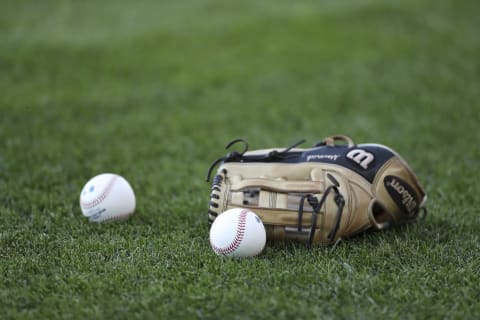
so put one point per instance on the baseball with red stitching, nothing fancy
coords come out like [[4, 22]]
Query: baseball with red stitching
[[239, 233], [107, 197]]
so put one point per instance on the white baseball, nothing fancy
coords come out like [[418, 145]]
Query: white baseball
[[238, 233], [107, 197]]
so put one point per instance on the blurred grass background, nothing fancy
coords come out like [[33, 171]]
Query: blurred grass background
[[153, 90]]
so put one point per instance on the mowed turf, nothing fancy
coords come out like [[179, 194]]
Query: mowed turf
[[153, 90]]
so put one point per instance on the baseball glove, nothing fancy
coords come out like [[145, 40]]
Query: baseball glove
[[335, 189]]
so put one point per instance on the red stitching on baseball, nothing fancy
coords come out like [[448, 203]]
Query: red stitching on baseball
[[240, 233], [102, 196]]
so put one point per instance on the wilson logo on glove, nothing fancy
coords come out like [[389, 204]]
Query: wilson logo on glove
[[361, 157], [402, 194]]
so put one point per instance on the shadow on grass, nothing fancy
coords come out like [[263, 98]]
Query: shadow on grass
[[431, 231]]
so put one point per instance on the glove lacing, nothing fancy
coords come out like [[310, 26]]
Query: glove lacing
[[241, 157], [215, 195], [316, 205]]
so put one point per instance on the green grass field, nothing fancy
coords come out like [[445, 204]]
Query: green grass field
[[153, 91]]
